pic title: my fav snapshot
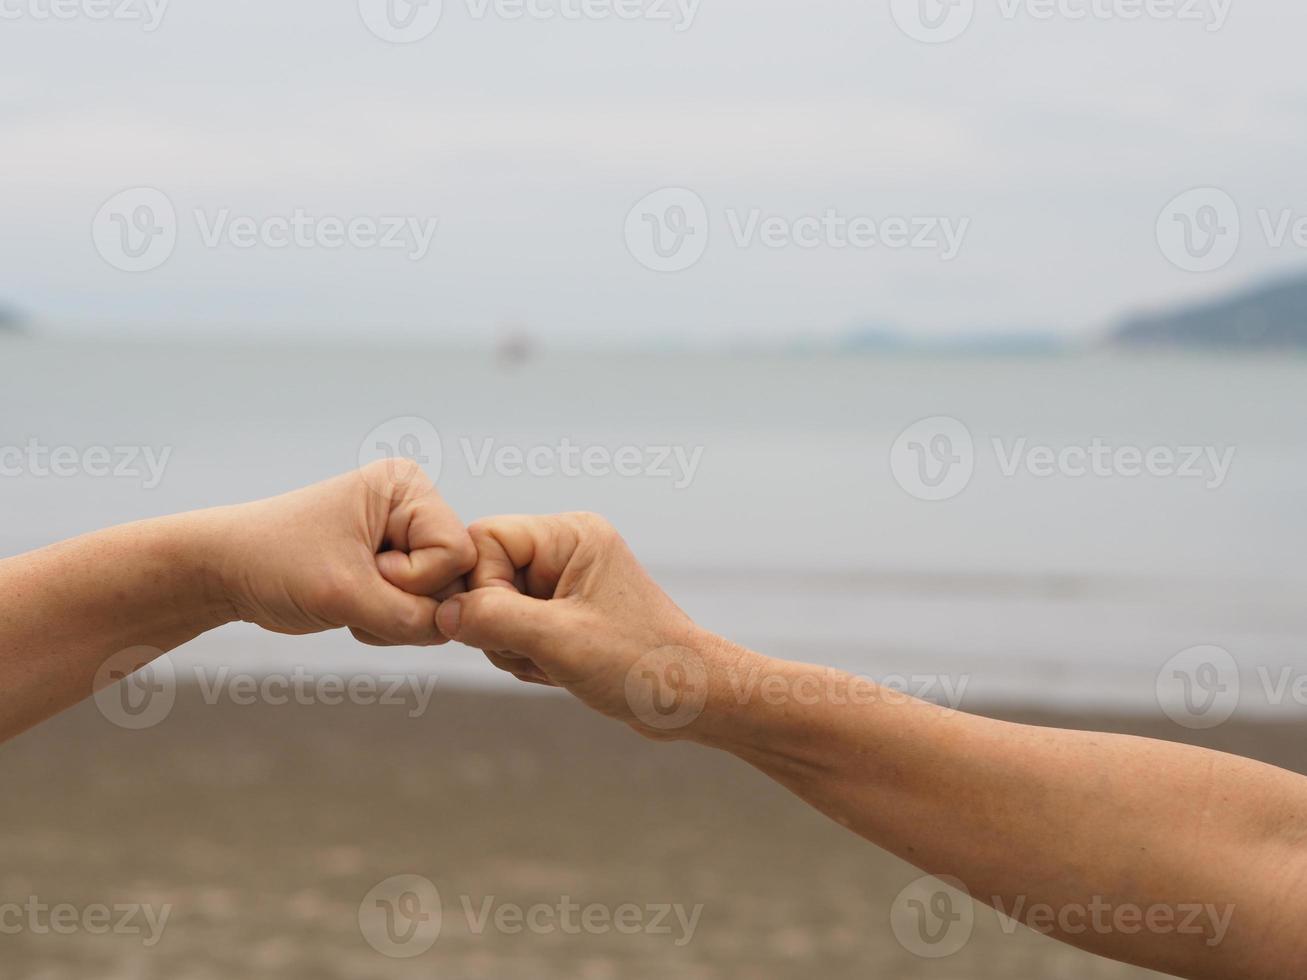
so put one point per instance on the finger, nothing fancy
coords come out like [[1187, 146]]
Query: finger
[[430, 547], [435, 572], [520, 667], [542, 681], [500, 619], [456, 587], [363, 636], [393, 615], [542, 546]]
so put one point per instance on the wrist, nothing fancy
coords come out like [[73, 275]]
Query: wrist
[[196, 547], [768, 711], [731, 674]]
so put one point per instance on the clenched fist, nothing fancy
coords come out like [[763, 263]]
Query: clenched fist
[[373, 550], [562, 601]]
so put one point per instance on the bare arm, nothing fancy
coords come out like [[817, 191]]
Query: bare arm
[[368, 550], [1179, 859], [1182, 860]]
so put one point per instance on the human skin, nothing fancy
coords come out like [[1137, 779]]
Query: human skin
[[1028, 819], [373, 550]]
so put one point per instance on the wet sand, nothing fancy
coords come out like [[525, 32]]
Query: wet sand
[[264, 827]]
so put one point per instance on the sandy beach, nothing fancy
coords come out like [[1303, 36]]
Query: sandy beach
[[261, 829]]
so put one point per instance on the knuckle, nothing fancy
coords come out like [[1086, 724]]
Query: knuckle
[[463, 551], [396, 471], [480, 532], [595, 525]]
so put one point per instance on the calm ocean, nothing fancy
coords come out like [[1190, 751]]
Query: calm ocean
[[757, 488]]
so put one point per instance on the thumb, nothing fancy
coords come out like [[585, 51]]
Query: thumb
[[392, 615], [503, 619]]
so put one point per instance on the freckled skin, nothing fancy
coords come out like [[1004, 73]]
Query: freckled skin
[[373, 550], [1065, 830]]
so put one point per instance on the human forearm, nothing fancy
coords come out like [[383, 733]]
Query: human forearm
[[1089, 826], [73, 605], [372, 550], [1039, 822]]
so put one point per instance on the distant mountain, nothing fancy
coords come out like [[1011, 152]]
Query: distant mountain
[[1271, 316], [886, 339], [10, 321], [875, 337]]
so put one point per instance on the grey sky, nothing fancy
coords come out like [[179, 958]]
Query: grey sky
[[1057, 142]]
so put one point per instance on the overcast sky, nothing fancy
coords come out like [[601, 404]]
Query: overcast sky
[[1029, 158]]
